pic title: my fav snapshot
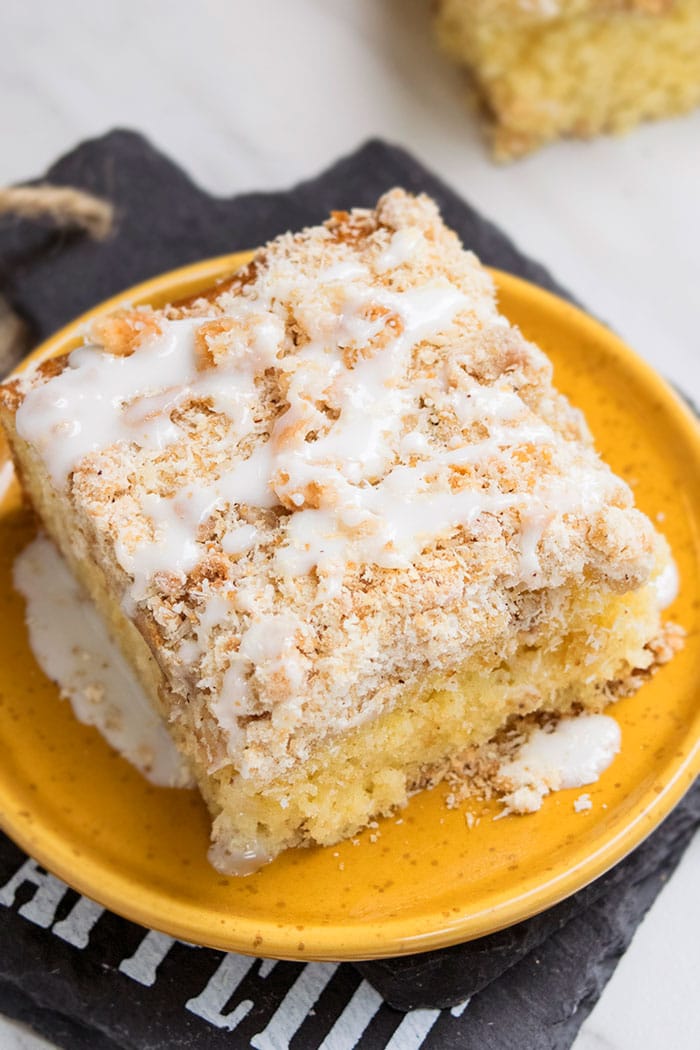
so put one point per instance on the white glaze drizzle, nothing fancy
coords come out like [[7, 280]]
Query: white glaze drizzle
[[401, 249], [268, 648], [71, 645], [102, 399], [667, 584], [573, 753], [365, 489]]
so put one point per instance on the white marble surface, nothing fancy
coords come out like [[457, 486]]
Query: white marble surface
[[253, 96]]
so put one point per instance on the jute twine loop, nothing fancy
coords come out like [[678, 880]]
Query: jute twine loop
[[67, 207]]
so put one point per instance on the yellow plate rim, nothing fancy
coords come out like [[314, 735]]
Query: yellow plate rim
[[400, 935]]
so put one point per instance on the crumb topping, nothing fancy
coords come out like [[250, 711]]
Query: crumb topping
[[342, 468]]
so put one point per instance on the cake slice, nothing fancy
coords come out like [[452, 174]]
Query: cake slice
[[340, 522], [547, 69]]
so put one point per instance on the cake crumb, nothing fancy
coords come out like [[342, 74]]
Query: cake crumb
[[583, 803], [94, 693]]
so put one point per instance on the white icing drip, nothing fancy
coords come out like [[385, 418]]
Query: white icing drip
[[401, 248], [491, 404], [268, 647], [210, 616], [388, 523], [103, 399], [72, 647], [667, 584], [572, 754], [343, 271], [174, 546], [239, 540], [242, 862], [532, 529], [90, 405]]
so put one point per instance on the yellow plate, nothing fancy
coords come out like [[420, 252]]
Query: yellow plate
[[427, 881]]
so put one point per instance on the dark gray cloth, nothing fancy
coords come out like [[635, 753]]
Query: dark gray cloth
[[531, 986], [164, 221]]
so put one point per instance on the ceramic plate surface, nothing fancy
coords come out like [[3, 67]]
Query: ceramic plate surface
[[427, 881]]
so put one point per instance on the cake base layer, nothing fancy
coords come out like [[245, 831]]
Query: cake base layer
[[374, 768], [610, 641], [578, 71]]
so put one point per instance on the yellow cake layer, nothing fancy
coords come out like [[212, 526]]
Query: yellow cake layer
[[374, 768], [576, 68]]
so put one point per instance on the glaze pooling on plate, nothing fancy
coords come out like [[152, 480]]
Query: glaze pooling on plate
[[569, 754], [71, 645]]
